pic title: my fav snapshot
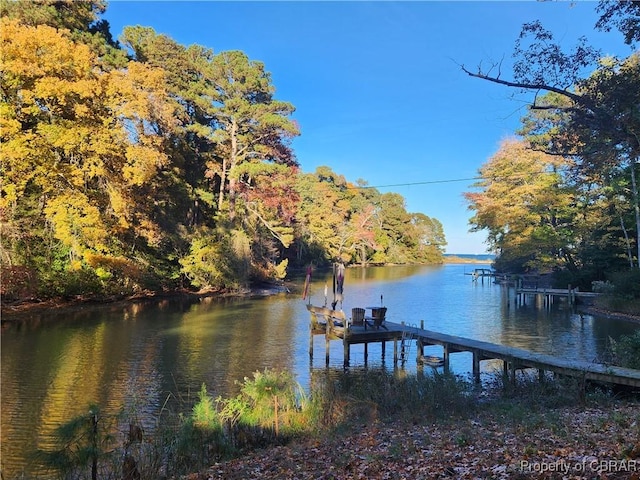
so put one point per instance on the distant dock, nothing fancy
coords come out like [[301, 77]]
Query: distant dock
[[547, 296], [526, 289], [481, 273]]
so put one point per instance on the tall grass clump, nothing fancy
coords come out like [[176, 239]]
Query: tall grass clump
[[528, 395], [197, 439], [378, 394]]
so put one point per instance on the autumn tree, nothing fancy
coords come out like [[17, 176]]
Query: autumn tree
[[355, 223], [525, 207], [323, 213], [362, 233], [431, 240], [602, 161], [80, 148], [80, 17], [591, 117], [394, 233], [234, 144]]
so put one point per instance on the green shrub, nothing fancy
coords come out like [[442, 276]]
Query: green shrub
[[204, 414], [218, 259], [626, 283], [70, 283], [272, 403], [626, 350], [582, 279]]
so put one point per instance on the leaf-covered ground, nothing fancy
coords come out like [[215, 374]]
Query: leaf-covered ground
[[571, 442]]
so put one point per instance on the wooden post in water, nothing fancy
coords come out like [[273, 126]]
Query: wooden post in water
[[327, 334], [476, 366], [445, 357], [311, 343], [570, 295], [346, 347], [395, 351], [403, 347], [366, 352], [508, 372]]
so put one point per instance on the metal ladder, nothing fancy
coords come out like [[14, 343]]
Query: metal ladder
[[405, 344]]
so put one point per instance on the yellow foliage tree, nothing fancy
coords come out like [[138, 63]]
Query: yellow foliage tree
[[82, 144], [525, 206]]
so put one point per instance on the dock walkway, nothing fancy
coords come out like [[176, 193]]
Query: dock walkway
[[513, 358], [546, 296]]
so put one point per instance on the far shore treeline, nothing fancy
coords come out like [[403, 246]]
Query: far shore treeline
[[143, 164]]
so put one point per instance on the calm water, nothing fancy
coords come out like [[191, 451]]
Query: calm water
[[140, 356]]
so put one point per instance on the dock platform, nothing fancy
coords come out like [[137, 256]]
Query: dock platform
[[547, 296], [513, 358]]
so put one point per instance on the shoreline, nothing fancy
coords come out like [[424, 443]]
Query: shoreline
[[21, 310], [593, 310], [13, 311]]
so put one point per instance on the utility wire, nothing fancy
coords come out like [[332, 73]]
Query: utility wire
[[420, 183], [453, 180]]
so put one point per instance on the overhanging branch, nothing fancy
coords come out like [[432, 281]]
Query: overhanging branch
[[579, 99]]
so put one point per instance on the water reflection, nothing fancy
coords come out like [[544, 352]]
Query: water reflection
[[136, 357]]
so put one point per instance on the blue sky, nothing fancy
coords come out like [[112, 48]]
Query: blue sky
[[377, 86]]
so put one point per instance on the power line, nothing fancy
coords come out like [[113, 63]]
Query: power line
[[453, 180], [430, 182]]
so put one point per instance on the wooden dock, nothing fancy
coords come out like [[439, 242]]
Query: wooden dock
[[547, 296], [528, 288], [481, 273], [513, 358]]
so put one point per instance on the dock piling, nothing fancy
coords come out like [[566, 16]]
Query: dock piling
[[476, 366], [326, 344]]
